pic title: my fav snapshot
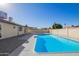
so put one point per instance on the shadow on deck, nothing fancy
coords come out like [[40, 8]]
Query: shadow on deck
[[10, 44]]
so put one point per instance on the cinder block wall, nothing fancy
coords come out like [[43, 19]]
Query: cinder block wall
[[36, 31], [66, 32]]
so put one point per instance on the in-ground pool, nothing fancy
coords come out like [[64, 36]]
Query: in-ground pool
[[53, 43]]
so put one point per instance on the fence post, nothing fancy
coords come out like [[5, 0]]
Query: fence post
[[67, 32]]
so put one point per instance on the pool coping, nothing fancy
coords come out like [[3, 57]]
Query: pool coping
[[35, 40]]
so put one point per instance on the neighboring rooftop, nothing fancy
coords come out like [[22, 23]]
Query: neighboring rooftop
[[77, 26], [5, 21]]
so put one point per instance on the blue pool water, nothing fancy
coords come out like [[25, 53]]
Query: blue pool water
[[53, 43]]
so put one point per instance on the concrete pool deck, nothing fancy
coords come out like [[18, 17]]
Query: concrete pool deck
[[27, 49]]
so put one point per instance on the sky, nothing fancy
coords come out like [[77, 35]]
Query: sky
[[43, 14]]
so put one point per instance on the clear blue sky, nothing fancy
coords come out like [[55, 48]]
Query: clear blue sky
[[43, 15]]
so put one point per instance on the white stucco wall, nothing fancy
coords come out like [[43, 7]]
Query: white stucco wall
[[21, 32], [7, 30]]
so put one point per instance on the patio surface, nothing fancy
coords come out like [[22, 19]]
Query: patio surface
[[10, 44]]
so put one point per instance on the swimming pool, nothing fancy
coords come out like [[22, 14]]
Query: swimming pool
[[53, 43]]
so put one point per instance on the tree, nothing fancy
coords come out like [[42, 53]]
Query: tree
[[72, 25], [57, 26], [26, 25]]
